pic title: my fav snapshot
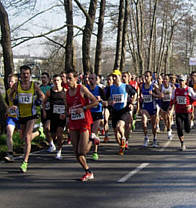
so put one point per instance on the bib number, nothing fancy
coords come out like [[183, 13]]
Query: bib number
[[167, 97], [181, 100], [147, 98], [25, 98], [58, 109], [77, 116], [118, 98]]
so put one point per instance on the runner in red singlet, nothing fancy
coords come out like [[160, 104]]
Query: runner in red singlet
[[80, 120]]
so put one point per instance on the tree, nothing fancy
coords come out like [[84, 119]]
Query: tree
[[100, 37], [69, 50], [119, 35], [6, 44], [87, 32]]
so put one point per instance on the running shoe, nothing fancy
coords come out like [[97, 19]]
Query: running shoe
[[58, 155], [121, 151], [41, 131], [95, 138], [52, 148], [154, 143], [87, 176], [68, 141], [133, 125], [106, 139], [183, 147], [102, 132], [23, 167], [9, 157], [126, 145], [146, 140], [158, 130], [95, 156], [192, 124], [123, 142]]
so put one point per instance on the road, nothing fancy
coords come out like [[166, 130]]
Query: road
[[143, 178]]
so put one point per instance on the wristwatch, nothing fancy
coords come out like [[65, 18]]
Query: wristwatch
[[84, 108]]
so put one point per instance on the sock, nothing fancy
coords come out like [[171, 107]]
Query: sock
[[88, 170]]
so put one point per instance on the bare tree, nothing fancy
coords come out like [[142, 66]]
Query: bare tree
[[69, 53], [88, 29], [119, 34], [124, 35], [6, 44], [100, 37]]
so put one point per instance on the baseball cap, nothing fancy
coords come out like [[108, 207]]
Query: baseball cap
[[182, 77], [116, 72]]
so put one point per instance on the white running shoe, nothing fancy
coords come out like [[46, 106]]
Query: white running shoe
[[154, 143], [146, 140], [52, 148], [170, 137], [169, 134], [58, 155], [192, 124]]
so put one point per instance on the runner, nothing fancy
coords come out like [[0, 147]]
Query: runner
[[96, 112], [181, 99], [119, 97], [80, 120], [12, 121], [107, 109], [149, 92], [134, 83], [166, 114], [192, 84], [26, 92], [55, 96], [45, 86]]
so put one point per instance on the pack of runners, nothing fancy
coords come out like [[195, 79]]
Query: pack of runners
[[81, 106]]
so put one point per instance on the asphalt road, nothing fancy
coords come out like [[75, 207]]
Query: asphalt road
[[160, 177]]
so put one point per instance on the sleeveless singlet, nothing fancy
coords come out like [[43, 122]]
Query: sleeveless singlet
[[26, 99], [78, 121]]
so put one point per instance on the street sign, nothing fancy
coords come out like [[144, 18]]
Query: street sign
[[192, 61]]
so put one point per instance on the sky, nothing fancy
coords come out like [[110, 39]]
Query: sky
[[41, 24]]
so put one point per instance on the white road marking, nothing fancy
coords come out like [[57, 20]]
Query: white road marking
[[133, 172]]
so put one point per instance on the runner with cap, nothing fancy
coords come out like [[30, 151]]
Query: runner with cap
[[182, 99], [121, 98]]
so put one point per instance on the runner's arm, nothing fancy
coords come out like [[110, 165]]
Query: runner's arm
[[85, 92]]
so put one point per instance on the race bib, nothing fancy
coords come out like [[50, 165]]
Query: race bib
[[25, 98], [147, 98], [76, 116], [181, 100], [167, 97], [118, 98], [58, 109]]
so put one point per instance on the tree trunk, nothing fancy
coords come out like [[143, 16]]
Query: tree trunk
[[6, 44], [3, 109], [86, 41], [100, 37], [140, 35], [152, 28], [69, 49], [124, 36], [119, 35]]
